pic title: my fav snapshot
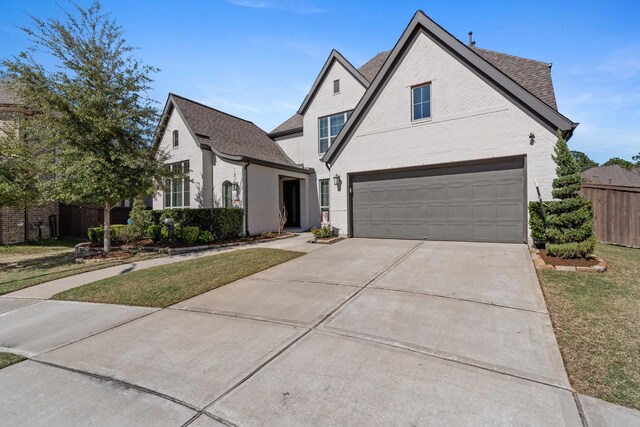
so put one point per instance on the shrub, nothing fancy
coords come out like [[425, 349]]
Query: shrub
[[140, 217], [154, 232], [96, 235], [537, 222], [569, 232], [123, 233], [206, 236], [223, 223], [190, 234], [267, 235], [322, 232]]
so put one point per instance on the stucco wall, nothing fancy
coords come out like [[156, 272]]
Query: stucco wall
[[304, 149], [470, 120], [264, 192], [187, 149], [224, 170]]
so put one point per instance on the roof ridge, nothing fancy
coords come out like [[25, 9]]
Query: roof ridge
[[214, 109], [511, 56]]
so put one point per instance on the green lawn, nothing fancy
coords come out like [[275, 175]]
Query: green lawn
[[596, 318], [169, 284], [39, 262], [7, 359]]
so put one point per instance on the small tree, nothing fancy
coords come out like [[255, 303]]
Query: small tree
[[282, 218], [140, 217], [570, 219], [91, 113]]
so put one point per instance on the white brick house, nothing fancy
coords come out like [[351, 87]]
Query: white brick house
[[434, 139]]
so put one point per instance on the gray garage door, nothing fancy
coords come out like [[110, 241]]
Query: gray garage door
[[480, 202]]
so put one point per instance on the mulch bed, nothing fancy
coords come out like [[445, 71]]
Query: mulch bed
[[578, 262], [164, 244]]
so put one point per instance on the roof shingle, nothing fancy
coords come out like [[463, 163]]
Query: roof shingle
[[228, 134], [611, 175]]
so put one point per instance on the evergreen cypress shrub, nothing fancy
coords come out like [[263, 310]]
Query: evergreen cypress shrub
[[537, 222], [569, 232]]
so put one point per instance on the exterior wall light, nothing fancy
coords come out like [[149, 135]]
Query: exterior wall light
[[532, 138], [236, 187], [337, 181]]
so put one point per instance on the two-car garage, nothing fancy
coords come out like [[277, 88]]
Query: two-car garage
[[480, 201]]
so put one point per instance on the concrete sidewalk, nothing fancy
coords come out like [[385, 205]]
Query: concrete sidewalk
[[48, 289]]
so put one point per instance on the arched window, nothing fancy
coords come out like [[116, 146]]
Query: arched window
[[176, 139], [227, 194]]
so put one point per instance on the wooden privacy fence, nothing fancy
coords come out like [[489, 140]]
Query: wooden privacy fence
[[616, 213], [76, 220]]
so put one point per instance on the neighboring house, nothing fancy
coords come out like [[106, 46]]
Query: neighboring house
[[431, 140], [20, 224], [611, 175]]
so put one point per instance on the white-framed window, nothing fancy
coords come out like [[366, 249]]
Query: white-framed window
[[176, 138], [324, 200], [177, 194], [421, 101], [227, 194], [328, 129], [336, 86]]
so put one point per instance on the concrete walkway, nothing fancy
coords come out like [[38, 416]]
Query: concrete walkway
[[363, 332], [48, 289]]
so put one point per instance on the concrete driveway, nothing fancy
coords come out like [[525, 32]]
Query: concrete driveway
[[363, 332]]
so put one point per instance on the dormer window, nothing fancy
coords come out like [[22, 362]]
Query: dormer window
[[336, 86], [176, 139]]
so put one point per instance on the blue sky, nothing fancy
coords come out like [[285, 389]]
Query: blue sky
[[258, 58]]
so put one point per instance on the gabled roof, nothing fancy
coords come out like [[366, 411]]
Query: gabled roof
[[334, 56], [611, 175], [370, 68], [292, 125], [492, 75], [228, 136]]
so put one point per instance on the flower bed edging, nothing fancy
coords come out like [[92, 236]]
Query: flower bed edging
[[540, 264], [325, 241]]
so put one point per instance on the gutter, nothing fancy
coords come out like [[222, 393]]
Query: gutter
[[245, 196]]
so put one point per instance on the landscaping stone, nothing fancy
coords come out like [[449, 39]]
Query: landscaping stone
[[565, 268], [586, 270]]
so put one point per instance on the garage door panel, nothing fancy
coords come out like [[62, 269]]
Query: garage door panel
[[482, 202]]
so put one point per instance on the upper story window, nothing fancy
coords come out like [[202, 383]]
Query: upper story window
[[328, 129], [177, 194], [421, 101], [176, 138], [336, 86]]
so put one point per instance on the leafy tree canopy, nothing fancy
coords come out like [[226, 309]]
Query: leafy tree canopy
[[620, 162], [92, 115], [584, 162]]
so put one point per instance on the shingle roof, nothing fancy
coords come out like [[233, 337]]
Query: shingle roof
[[292, 124], [534, 76], [6, 96], [611, 175], [228, 134], [370, 68]]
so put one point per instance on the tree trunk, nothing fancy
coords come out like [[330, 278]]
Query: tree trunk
[[107, 227]]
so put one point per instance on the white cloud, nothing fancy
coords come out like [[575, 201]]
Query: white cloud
[[286, 5]]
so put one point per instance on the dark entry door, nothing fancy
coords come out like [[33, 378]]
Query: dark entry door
[[291, 191]]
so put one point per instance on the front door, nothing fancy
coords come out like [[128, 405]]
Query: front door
[[291, 196]]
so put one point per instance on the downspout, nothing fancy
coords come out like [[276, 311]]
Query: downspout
[[245, 193]]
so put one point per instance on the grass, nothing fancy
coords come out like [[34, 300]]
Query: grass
[[169, 284], [42, 261], [596, 318], [7, 359]]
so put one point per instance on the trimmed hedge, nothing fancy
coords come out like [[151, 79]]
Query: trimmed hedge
[[222, 223]]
